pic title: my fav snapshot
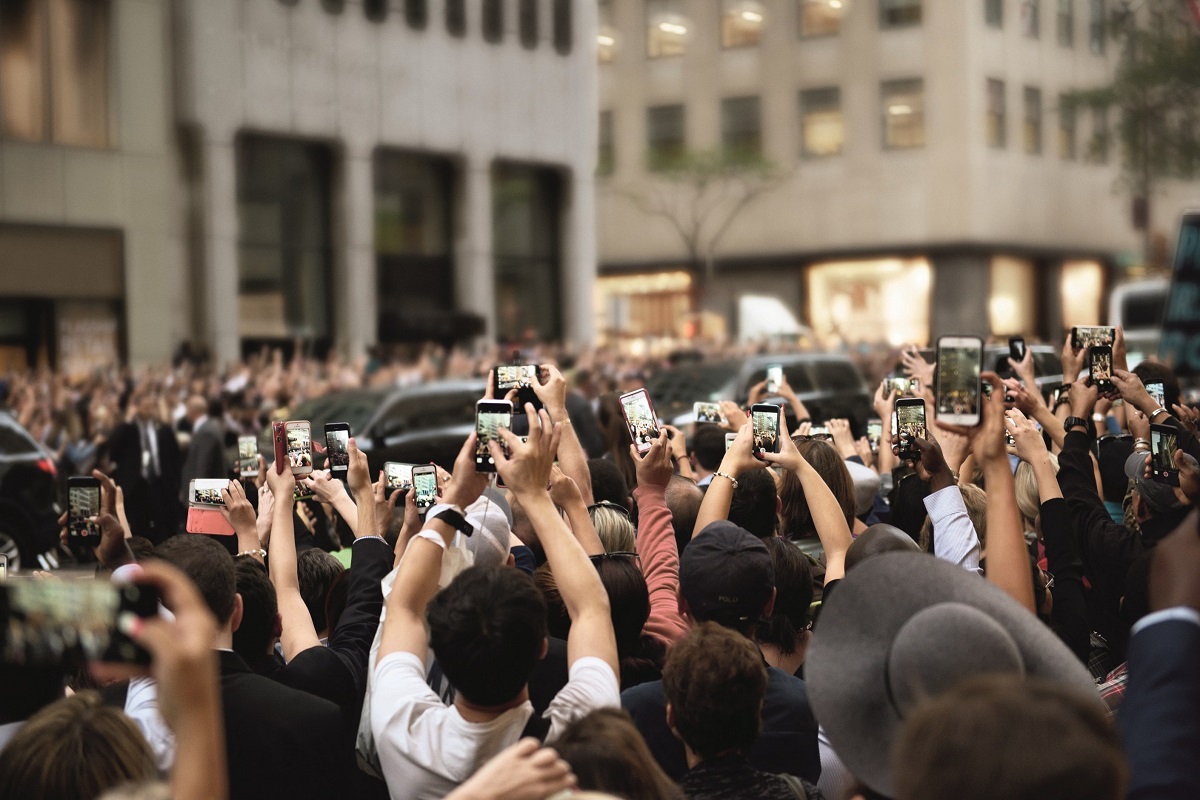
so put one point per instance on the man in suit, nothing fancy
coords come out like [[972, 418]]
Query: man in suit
[[280, 742], [206, 453], [147, 461]]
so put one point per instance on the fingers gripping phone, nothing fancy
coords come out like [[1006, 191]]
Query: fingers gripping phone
[[337, 446], [959, 366], [490, 417], [774, 378], [298, 446], [1164, 441], [206, 492], [83, 506], [521, 377], [1100, 367], [910, 425], [765, 418], [425, 485], [640, 419]]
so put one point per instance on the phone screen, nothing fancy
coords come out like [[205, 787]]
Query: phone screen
[[959, 361], [337, 446], [397, 475], [299, 447], [516, 377], [424, 486], [83, 504], [729, 438], [774, 377], [874, 433], [1156, 390], [247, 456], [899, 385], [1100, 365], [910, 423], [765, 419], [639, 416], [1164, 441], [490, 417], [708, 412], [207, 492], [1084, 336]]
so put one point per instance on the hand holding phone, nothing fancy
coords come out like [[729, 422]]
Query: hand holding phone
[[910, 425], [1100, 367], [765, 419], [490, 417], [83, 510], [425, 486], [959, 391], [640, 419], [337, 448]]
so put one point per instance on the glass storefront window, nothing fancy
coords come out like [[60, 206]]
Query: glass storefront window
[[651, 305], [1082, 284], [1013, 282], [526, 214], [881, 300]]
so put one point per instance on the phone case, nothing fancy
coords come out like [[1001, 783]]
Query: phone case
[[208, 520]]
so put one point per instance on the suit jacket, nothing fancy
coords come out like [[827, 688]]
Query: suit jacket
[[125, 450], [1160, 715], [205, 456], [280, 742]]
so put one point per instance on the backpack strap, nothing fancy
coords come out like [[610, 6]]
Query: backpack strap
[[538, 727]]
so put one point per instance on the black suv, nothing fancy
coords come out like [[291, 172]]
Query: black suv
[[829, 386], [29, 507]]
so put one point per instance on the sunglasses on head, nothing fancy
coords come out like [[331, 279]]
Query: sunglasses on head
[[609, 504], [598, 557]]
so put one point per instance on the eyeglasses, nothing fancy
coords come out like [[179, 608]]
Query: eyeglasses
[[609, 504], [616, 554]]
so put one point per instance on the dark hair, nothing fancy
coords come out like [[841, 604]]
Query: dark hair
[[259, 609], [25, 689], [1150, 372], [793, 596], [683, 498], [558, 621], [335, 601], [797, 518], [907, 500], [754, 502], [641, 656], [987, 738], [487, 629], [607, 754], [616, 437], [708, 445], [607, 482], [141, 547], [316, 571], [715, 682], [209, 565]]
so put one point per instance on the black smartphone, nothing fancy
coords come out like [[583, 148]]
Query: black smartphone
[[1100, 367], [1016, 348], [959, 366], [83, 506], [521, 377], [66, 622], [729, 439], [1156, 390], [910, 424], [490, 417], [1164, 441], [765, 419], [425, 486], [337, 448], [640, 419], [1083, 336]]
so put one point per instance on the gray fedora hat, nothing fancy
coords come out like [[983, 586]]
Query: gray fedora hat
[[903, 627]]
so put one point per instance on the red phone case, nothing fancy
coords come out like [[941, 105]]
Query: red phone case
[[280, 438], [208, 520]]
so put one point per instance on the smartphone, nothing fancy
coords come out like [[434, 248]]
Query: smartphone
[[1100, 367], [820, 432], [910, 424], [1084, 336], [640, 418], [874, 433], [765, 419], [707, 412], [1158, 392], [396, 476], [206, 492], [1009, 439], [729, 437], [774, 378], [83, 505], [425, 484], [279, 440], [1016, 348], [337, 447], [521, 377], [1163, 444], [299, 446], [898, 384], [63, 622], [490, 417], [248, 456], [959, 365]]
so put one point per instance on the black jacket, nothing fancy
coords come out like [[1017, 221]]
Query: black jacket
[[205, 456]]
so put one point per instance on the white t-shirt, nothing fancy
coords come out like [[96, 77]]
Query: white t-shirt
[[426, 748]]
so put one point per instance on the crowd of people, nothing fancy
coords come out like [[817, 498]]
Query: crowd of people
[[1010, 610]]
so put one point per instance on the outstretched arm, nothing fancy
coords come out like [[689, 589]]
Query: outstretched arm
[[738, 458], [298, 633]]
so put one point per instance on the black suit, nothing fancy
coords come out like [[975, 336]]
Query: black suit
[[151, 505], [205, 456], [280, 742]]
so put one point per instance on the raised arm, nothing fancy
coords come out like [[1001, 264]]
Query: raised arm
[[954, 536], [240, 515], [656, 545], [298, 632], [565, 494], [571, 456], [738, 458], [331, 491]]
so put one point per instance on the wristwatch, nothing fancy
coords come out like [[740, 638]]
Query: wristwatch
[[452, 516], [1076, 422]]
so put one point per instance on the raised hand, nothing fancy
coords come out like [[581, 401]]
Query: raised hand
[[527, 470], [656, 467], [237, 511], [1029, 442]]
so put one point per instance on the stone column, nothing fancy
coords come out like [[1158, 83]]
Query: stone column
[[357, 309], [474, 279], [579, 260], [219, 279]]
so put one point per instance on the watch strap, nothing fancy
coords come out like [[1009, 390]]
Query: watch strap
[[453, 516], [1072, 422]]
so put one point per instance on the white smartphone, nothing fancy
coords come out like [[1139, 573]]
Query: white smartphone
[[248, 456], [774, 378], [640, 418], [959, 365], [206, 492], [707, 412], [299, 446], [425, 486]]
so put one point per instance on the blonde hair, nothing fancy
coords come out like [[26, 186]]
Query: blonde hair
[[975, 499], [1028, 499], [615, 530]]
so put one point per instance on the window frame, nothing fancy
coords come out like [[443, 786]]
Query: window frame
[[416, 14], [656, 161], [671, 8], [528, 23], [1068, 130], [725, 9], [993, 14], [898, 84], [805, 111], [731, 126], [900, 14], [455, 14], [493, 21], [1097, 27], [802, 5]]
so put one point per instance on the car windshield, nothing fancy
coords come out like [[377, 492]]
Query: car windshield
[[691, 383], [14, 441], [354, 408]]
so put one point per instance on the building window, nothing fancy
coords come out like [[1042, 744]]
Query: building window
[[993, 13], [903, 114], [606, 33], [1066, 128], [606, 160], [1066, 23], [1098, 147], [456, 17], [899, 13], [996, 117], [526, 209], [741, 128], [285, 251], [665, 139], [822, 130], [741, 23], [1033, 121], [54, 59], [564, 37], [333, 6], [1097, 26], [820, 17], [416, 14], [527, 23], [375, 10], [493, 21], [1031, 18], [666, 28]]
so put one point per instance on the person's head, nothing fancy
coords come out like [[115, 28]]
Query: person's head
[[195, 407], [1028, 499], [607, 754], [797, 519], [629, 605], [975, 499], [755, 503], [683, 498], [211, 569], [488, 629], [147, 406], [725, 576], [141, 547], [708, 446], [1151, 500], [260, 610], [1150, 372], [607, 482], [612, 525], [714, 683], [75, 747], [316, 571], [907, 501], [988, 739], [787, 627]]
